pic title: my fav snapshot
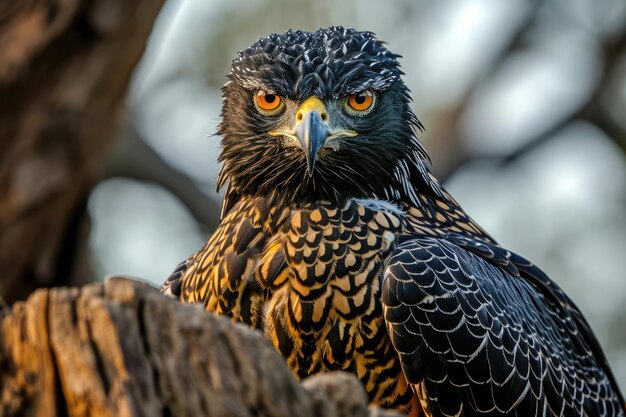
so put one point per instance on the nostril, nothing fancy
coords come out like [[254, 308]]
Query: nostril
[[299, 116]]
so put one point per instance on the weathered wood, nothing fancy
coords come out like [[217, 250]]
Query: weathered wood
[[123, 349], [64, 69]]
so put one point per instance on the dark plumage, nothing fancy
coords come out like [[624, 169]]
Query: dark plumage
[[330, 65], [338, 244]]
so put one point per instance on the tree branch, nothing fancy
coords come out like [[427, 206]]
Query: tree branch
[[135, 159]]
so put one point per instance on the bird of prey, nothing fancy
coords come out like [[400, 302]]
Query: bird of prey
[[337, 242]]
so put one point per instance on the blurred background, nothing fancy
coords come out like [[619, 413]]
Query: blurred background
[[524, 105]]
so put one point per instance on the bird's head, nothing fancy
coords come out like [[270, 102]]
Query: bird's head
[[319, 116]]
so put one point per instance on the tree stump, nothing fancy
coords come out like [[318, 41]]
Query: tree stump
[[122, 349]]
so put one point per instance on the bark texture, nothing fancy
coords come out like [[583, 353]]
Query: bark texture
[[123, 349], [64, 69]]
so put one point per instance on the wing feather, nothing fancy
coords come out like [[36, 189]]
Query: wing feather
[[487, 332]]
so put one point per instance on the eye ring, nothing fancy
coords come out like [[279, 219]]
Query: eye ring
[[360, 103], [268, 103]]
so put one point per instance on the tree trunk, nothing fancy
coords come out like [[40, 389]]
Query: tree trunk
[[64, 69], [123, 349]]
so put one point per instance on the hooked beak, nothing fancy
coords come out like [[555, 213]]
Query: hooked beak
[[312, 133], [311, 130]]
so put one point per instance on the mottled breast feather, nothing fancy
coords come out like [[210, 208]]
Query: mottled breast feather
[[310, 278]]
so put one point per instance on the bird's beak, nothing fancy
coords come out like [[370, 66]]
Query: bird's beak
[[311, 130]]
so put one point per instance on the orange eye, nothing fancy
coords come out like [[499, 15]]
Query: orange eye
[[360, 101], [267, 103]]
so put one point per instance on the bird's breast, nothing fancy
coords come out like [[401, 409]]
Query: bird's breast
[[331, 260], [324, 268], [310, 278]]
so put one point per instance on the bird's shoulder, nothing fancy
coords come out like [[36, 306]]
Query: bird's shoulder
[[257, 238], [258, 232]]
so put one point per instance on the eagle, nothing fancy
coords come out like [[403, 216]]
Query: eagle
[[338, 244]]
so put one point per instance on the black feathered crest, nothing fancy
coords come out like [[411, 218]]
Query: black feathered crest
[[329, 63]]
